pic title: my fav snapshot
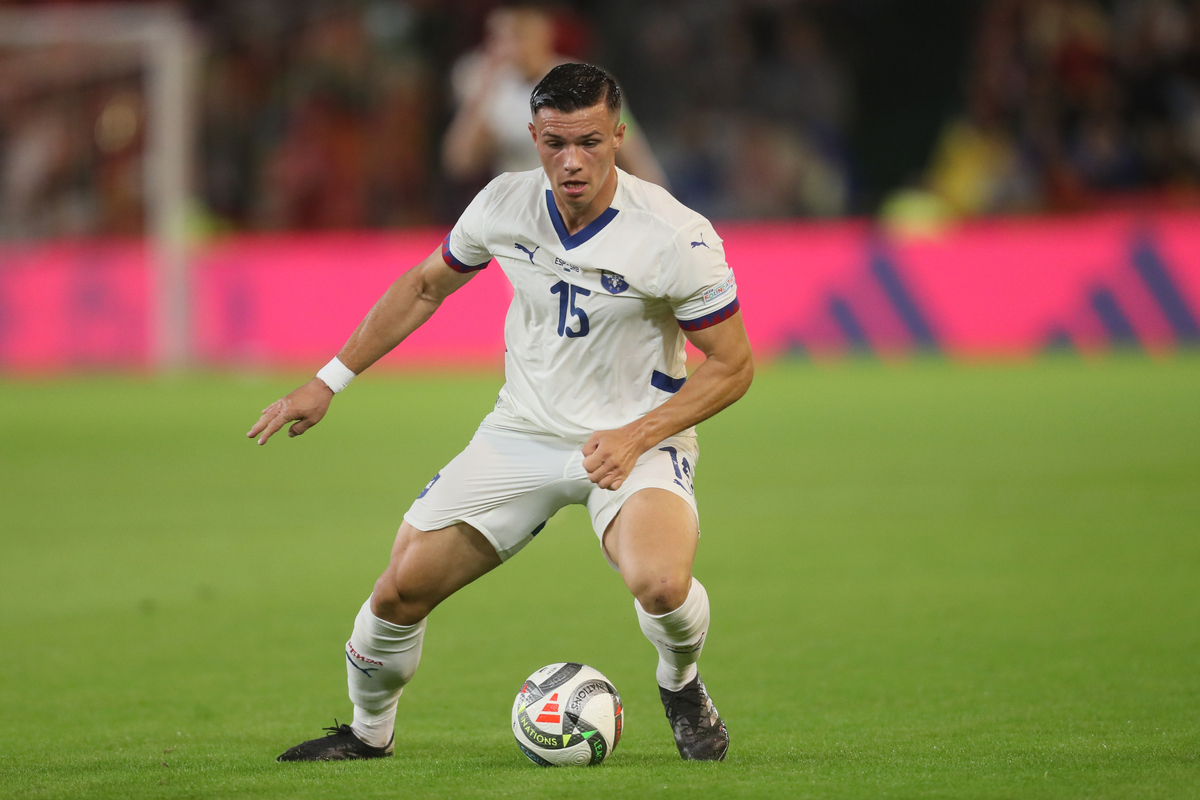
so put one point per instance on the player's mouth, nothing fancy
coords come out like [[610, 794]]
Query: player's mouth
[[574, 188]]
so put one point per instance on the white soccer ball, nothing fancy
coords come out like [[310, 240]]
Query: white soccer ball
[[567, 714]]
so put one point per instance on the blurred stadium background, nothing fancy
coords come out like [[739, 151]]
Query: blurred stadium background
[[954, 520], [990, 177]]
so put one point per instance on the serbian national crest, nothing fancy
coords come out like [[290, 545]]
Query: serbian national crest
[[614, 283]]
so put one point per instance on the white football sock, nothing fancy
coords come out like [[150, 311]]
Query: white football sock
[[380, 659], [678, 636]]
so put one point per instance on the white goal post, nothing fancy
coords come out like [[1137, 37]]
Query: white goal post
[[165, 43]]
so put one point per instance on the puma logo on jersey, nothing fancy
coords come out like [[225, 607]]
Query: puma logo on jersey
[[526, 250], [700, 243]]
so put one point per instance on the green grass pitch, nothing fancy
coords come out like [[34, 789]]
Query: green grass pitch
[[928, 581]]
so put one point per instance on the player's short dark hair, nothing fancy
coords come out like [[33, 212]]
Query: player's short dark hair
[[570, 87]]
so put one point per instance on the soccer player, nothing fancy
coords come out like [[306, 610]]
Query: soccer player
[[609, 275]]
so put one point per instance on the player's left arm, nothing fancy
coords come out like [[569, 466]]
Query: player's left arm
[[725, 375]]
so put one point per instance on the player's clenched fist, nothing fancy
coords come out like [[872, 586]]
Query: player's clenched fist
[[305, 405], [609, 457]]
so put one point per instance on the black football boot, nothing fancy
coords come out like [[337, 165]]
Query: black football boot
[[700, 732], [338, 744]]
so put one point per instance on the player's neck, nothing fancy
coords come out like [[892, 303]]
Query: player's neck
[[578, 217]]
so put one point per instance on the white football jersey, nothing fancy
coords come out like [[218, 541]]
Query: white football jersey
[[594, 336]]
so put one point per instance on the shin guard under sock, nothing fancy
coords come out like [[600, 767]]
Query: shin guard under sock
[[678, 636], [380, 659]]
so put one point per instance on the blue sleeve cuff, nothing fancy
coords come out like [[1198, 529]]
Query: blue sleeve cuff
[[456, 265]]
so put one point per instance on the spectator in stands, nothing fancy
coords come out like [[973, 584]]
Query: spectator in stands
[[489, 133]]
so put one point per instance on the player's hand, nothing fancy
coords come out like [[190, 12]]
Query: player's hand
[[305, 405], [609, 457]]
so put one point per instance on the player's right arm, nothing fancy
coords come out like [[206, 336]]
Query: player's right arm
[[402, 309]]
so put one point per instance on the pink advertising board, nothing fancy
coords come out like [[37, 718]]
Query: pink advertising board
[[294, 300], [78, 305], [1011, 287]]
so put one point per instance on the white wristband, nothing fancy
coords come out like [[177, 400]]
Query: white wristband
[[336, 375]]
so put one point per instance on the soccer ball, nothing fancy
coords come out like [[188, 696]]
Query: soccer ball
[[567, 714]]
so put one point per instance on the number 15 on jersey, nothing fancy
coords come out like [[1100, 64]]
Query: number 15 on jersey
[[567, 308]]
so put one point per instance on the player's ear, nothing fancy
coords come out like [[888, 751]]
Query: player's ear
[[618, 135], [533, 132]]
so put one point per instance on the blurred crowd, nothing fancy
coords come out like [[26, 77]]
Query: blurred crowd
[[746, 104], [1070, 103], [325, 114]]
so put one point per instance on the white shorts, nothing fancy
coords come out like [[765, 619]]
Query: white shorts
[[508, 485]]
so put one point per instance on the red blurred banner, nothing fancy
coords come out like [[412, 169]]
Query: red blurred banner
[[1010, 287]]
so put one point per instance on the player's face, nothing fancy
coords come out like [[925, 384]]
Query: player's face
[[578, 150]]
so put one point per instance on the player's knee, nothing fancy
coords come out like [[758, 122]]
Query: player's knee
[[391, 603], [664, 592]]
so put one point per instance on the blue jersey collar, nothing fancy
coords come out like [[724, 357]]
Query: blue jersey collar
[[571, 241]]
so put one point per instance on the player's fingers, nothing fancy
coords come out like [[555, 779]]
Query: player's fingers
[[267, 414], [299, 428], [277, 422], [596, 459], [595, 467], [612, 480], [603, 475], [259, 426]]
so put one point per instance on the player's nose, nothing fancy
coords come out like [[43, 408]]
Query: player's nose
[[571, 159]]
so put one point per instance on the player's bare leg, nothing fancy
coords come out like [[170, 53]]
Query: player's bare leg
[[426, 568], [382, 654], [653, 541]]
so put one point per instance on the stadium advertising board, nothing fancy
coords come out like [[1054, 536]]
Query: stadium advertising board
[[1012, 287]]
